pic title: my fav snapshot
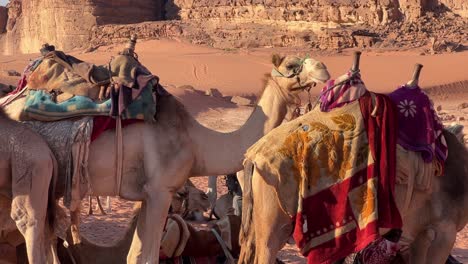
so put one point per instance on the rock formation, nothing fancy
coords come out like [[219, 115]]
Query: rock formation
[[321, 24], [68, 23]]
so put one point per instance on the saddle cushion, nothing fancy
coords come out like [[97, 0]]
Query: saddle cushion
[[40, 106], [419, 127]]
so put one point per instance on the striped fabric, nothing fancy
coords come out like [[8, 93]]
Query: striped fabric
[[341, 91]]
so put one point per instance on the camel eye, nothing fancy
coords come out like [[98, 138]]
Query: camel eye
[[291, 66]]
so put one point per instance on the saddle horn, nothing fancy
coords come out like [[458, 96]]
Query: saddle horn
[[132, 43], [415, 80], [130, 47], [357, 57], [46, 48]]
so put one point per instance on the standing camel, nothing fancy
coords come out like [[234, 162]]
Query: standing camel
[[27, 168], [160, 157], [431, 218]]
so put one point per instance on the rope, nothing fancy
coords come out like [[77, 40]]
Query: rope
[[118, 138]]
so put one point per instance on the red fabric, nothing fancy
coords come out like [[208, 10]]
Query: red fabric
[[104, 123], [327, 209], [382, 132]]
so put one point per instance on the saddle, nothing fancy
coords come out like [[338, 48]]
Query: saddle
[[60, 86]]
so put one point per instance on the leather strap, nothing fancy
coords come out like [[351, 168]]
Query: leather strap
[[119, 153], [226, 251]]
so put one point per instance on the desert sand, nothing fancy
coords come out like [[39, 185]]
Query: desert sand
[[239, 72]]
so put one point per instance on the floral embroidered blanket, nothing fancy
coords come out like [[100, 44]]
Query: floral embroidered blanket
[[419, 127], [344, 176]]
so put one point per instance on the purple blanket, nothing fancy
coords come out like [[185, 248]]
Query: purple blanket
[[420, 129]]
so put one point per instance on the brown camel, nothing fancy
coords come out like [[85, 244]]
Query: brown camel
[[27, 168], [430, 221], [160, 157]]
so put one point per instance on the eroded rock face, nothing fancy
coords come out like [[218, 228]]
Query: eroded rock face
[[3, 19], [68, 23], [227, 24], [337, 11], [459, 7]]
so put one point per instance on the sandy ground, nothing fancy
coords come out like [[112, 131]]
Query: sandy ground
[[240, 72]]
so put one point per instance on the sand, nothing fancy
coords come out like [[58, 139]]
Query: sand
[[239, 72]]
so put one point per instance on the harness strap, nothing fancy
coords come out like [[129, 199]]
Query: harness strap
[[119, 153], [226, 251]]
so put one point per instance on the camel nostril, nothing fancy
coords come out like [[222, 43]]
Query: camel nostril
[[320, 65]]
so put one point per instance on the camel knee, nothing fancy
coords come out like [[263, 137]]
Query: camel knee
[[430, 234], [24, 219]]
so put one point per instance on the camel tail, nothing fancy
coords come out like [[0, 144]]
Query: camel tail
[[247, 234], [51, 196]]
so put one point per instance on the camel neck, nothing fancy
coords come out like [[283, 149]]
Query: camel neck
[[222, 153]]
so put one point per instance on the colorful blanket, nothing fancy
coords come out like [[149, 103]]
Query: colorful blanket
[[69, 141], [339, 168], [341, 91], [420, 129], [40, 106]]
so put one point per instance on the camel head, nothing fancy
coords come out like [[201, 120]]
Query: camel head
[[297, 74]]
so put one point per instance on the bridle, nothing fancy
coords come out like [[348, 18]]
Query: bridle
[[295, 74]]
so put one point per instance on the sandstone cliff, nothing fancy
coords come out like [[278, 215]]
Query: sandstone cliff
[[68, 23], [321, 24]]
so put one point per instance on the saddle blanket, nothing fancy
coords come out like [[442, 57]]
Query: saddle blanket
[[345, 176], [69, 141], [419, 127], [40, 106]]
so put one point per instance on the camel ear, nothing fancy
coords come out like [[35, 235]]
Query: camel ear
[[277, 60]]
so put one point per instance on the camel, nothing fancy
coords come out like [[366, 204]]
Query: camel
[[27, 174], [430, 220], [160, 157]]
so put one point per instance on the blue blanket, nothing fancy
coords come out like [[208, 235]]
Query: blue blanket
[[40, 106]]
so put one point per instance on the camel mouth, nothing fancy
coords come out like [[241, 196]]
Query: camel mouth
[[304, 87]]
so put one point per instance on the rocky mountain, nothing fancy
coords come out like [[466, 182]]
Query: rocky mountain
[[321, 24]]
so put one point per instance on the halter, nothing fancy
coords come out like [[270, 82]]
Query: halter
[[295, 73], [276, 73]]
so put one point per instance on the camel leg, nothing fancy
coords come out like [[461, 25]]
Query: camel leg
[[147, 237], [421, 245], [109, 207], [273, 226], [29, 212], [442, 245], [90, 205], [100, 205], [212, 193], [75, 225]]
